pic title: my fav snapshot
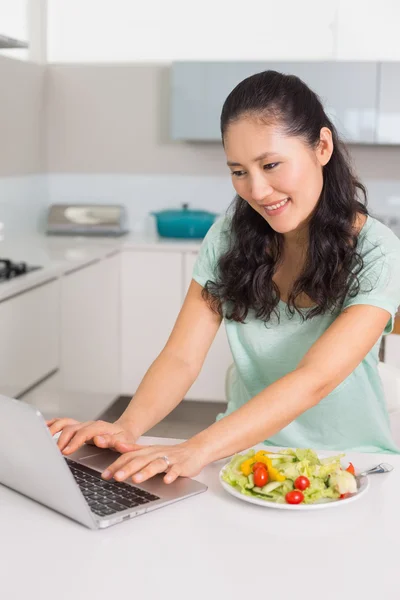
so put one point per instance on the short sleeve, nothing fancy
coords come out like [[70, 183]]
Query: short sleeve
[[379, 281], [213, 246]]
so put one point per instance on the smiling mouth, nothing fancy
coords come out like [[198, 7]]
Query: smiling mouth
[[273, 207]]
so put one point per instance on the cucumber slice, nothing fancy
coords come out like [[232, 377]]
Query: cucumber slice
[[267, 489], [250, 485]]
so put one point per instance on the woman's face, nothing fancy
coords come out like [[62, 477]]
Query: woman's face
[[279, 176]]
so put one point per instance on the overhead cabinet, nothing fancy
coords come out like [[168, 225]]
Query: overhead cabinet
[[348, 91]]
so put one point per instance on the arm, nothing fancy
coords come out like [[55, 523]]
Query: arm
[[328, 362], [178, 365], [163, 386]]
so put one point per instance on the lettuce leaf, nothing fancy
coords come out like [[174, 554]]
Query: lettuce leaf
[[327, 478]]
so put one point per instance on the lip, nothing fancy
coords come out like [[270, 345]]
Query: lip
[[276, 202], [270, 214]]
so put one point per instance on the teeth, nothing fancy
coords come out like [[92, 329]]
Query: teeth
[[275, 206]]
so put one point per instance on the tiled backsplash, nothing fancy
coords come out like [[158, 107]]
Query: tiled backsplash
[[24, 200], [142, 194]]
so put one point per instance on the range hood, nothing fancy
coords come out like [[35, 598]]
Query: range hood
[[7, 42]]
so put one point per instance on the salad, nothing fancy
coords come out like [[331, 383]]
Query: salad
[[292, 476]]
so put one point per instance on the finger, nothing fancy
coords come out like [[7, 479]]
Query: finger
[[135, 460], [67, 433], [103, 441], [86, 433], [117, 465], [122, 447], [109, 440], [172, 474], [155, 467], [58, 425]]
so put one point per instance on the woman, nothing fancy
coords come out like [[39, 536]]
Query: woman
[[307, 283]]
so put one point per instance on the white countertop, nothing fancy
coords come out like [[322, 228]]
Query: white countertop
[[209, 546], [60, 254]]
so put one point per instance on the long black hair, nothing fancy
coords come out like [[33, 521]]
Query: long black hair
[[332, 262]]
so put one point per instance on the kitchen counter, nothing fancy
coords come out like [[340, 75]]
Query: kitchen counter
[[209, 546], [60, 254]]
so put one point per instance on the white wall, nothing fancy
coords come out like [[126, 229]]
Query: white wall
[[13, 18], [107, 141], [167, 30], [21, 117], [107, 125]]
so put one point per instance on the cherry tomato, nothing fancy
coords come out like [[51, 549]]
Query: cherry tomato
[[350, 469], [302, 483], [294, 497], [258, 465], [261, 476]]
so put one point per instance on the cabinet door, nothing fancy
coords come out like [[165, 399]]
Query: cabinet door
[[210, 384], [151, 299], [392, 350], [29, 338], [90, 336], [347, 90], [389, 104]]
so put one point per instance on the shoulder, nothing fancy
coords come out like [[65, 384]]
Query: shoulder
[[378, 243], [378, 281], [218, 236], [213, 246]]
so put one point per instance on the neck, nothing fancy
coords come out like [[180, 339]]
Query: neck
[[296, 240]]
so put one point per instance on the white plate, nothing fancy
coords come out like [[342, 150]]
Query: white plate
[[325, 503]]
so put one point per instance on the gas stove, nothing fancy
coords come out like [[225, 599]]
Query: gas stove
[[10, 269]]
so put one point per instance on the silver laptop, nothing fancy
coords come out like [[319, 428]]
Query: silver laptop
[[32, 464]]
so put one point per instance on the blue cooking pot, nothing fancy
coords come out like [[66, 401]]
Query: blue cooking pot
[[184, 222]]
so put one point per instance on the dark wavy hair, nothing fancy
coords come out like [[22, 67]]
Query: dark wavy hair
[[332, 263]]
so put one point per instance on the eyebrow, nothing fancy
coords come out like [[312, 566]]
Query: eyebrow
[[260, 157]]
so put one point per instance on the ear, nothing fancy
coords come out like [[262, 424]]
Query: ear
[[325, 146]]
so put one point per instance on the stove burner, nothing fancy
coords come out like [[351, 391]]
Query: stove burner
[[10, 269]]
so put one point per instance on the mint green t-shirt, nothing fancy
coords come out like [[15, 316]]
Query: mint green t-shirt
[[354, 415]]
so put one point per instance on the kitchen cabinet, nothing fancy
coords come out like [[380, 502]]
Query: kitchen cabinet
[[388, 131], [348, 91], [392, 350], [90, 327], [151, 298], [210, 384], [29, 337]]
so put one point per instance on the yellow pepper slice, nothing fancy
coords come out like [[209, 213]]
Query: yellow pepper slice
[[247, 466]]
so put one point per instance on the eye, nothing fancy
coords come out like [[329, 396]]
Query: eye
[[271, 166], [238, 173]]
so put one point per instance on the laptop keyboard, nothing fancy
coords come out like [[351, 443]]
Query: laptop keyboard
[[107, 497]]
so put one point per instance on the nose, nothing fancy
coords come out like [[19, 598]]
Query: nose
[[261, 189]]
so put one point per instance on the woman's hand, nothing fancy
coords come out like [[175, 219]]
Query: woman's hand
[[141, 463], [100, 433]]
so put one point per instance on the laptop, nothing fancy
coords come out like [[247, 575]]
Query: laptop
[[32, 464]]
